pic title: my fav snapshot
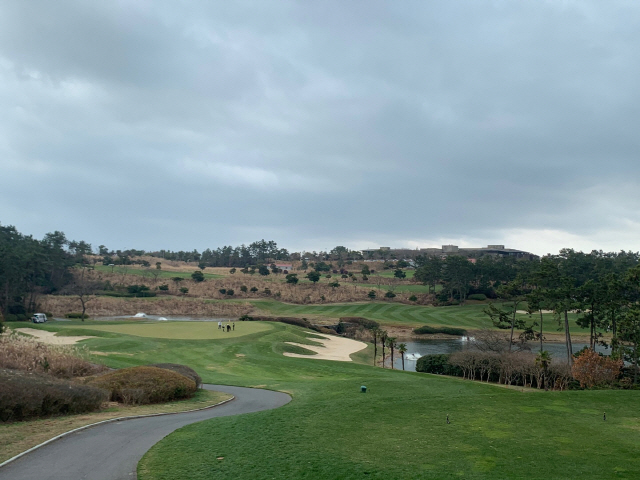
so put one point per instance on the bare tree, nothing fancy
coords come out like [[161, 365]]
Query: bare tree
[[86, 283]]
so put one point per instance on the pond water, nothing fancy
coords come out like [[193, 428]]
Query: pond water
[[417, 348]]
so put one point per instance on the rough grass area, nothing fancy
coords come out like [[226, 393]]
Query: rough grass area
[[180, 330], [25, 353], [144, 385], [105, 306], [20, 436], [397, 430]]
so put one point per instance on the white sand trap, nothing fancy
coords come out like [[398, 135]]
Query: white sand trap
[[537, 312], [332, 348], [50, 337]]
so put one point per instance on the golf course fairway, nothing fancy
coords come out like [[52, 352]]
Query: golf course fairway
[[396, 430]]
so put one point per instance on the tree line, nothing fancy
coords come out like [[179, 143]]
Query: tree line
[[602, 288], [30, 267]]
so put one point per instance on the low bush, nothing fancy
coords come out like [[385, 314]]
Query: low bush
[[63, 361], [438, 364], [182, 370], [114, 293], [364, 322], [144, 385], [75, 315], [298, 322], [477, 296], [426, 329], [27, 395]]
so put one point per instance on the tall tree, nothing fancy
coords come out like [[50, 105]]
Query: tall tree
[[402, 349]]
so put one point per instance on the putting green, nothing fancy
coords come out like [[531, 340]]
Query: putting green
[[182, 330]]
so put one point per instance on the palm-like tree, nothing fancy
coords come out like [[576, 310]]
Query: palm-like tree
[[543, 360], [391, 343], [383, 343], [375, 334], [402, 348]]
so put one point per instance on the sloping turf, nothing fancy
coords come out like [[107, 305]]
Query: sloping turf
[[180, 330], [397, 430]]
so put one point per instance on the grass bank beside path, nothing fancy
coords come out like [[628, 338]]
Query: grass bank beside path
[[397, 430], [17, 437]]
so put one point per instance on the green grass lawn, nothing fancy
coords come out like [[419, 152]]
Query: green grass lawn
[[470, 317], [180, 330], [397, 430]]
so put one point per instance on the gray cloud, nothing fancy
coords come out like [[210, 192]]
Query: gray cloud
[[153, 125]]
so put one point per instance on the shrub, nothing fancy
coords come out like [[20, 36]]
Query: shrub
[[140, 291], [75, 315], [413, 298], [198, 276], [389, 294], [114, 293], [164, 287], [426, 329], [438, 364], [230, 292], [27, 395], [364, 322], [477, 296], [243, 288], [182, 370], [254, 289], [299, 322], [223, 291], [143, 385], [592, 369]]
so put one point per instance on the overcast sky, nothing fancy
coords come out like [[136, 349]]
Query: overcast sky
[[185, 125]]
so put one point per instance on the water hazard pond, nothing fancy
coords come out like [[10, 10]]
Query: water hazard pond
[[433, 346]]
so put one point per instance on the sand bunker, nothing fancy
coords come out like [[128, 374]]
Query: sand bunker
[[50, 337], [332, 348], [537, 312]]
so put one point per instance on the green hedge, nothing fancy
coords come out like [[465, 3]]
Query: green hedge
[[438, 364], [477, 296], [426, 329], [364, 322]]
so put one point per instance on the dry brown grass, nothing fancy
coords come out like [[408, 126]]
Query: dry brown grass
[[302, 293], [169, 305], [20, 436], [19, 352]]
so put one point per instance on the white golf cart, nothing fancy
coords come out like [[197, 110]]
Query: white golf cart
[[39, 318]]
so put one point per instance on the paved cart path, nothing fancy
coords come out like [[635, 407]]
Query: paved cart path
[[111, 451]]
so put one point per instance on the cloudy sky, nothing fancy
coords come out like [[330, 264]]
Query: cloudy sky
[[185, 125]]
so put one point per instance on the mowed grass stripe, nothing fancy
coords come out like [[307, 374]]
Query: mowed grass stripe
[[182, 330]]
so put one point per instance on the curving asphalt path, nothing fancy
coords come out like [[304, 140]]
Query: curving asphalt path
[[111, 451]]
